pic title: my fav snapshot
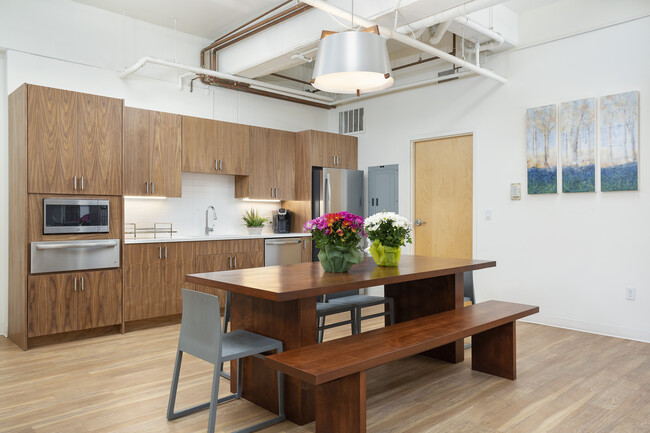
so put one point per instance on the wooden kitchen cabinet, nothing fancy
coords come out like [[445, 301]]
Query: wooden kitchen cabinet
[[152, 153], [73, 301], [212, 256], [272, 166], [74, 142], [154, 275], [215, 147], [332, 150]]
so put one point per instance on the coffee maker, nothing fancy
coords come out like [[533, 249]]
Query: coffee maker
[[282, 221]]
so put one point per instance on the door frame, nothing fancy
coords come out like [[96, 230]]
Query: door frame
[[435, 136]]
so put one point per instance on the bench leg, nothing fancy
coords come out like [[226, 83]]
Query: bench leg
[[341, 405], [495, 352]]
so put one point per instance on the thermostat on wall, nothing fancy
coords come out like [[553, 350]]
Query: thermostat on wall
[[515, 191]]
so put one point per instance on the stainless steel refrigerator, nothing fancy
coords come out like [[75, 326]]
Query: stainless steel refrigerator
[[335, 190]]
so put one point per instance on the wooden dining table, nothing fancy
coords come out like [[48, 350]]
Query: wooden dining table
[[280, 302]]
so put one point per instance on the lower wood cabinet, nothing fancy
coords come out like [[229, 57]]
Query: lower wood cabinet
[[73, 301], [153, 278], [306, 250]]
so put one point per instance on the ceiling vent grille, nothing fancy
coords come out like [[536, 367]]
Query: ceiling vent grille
[[351, 121]]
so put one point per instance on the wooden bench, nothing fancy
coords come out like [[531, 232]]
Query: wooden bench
[[338, 367]]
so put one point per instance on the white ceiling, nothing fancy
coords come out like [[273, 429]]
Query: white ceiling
[[212, 18]]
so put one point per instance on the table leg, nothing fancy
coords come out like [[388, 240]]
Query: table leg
[[428, 296], [293, 323]]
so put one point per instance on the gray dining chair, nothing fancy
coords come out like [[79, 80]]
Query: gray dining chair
[[352, 297], [324, 309], [201, 336]]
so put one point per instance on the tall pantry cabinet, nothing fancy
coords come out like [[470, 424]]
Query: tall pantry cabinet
[[61, 144]]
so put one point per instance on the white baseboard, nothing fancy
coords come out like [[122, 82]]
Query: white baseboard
[[592, 328]]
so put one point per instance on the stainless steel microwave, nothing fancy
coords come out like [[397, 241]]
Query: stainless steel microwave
[[75, 216]]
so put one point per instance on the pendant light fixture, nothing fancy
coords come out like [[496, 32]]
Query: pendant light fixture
[[352, 62]]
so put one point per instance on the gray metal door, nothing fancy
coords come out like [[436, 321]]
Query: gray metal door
[[383, 189]]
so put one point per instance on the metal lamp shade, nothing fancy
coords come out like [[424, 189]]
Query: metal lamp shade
[[351, 61]]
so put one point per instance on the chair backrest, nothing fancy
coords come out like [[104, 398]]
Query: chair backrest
[[341, 294], [200, 334], [468, 281]]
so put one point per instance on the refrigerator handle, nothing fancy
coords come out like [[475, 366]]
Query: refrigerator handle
[[328, 194]]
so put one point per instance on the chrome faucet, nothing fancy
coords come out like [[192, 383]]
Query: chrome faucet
[[210, 228]]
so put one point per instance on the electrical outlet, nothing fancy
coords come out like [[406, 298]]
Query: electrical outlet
[[630, 294]]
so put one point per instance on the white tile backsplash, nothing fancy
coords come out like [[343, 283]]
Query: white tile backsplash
[[187, 214]]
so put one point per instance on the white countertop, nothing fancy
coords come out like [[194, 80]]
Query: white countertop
[[218, 237]]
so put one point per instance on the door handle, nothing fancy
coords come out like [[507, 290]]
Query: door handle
[[152, 187], [146, 185], [82, 244], [75, 284], [235, 261], [75, 183], [82, 284], [165, 252], [82, 183], [230, 262], [216, 164], [221, 164], [160, 252], [282, 242], [419, 222]]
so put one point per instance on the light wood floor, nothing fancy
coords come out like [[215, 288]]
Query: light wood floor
[[567, 382]]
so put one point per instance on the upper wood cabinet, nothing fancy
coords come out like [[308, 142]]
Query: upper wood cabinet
[[332, 150], [152, 153], [272, 164], [74, 142], [212, 146]]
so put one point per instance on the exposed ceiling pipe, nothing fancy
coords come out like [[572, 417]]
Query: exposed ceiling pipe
[[400, 88], [299, 94], [479, 28], [449, 14], [440, 32], [386, 32], [180, 79]]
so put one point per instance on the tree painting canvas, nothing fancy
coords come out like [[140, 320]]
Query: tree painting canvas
[[619, 142], [541, 149], [578, 141]]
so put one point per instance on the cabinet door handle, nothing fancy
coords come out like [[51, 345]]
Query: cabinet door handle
[[160, 252], [221, 164], [334, 160], [230, 262], [216, 164], [82, 183], [82, 284], [75, 183], [271, 192], [152, 187], [146, 185], [235, 261], [75, 284], [338, 161], [165, 252]]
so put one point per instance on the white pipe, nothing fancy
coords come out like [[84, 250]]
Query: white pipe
[[440, 32], [399, 88], [479, 28], [180, 79], [259, 84], [385, 31], [449, 14]]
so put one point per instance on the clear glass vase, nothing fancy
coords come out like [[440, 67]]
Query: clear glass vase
[[385, 256]]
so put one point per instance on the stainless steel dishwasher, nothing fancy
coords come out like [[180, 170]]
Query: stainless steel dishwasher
[[282, 251]]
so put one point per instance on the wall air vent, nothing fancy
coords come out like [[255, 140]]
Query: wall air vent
[[351, 121]]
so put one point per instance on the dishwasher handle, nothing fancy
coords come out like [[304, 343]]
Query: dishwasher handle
[[283, 242], [108, 244]]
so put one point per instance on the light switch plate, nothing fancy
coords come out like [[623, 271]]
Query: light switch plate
[[515, 191]]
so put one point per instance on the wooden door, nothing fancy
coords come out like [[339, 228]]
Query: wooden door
[[142, 281], [285, 163], [178, 261], [51, 304], [199, 145], [443, 197], [99, 144], [136, 151], [52, 140], [99, 299], [262, 163], [346, 152], [165, 162], [232, 148], [323, 149], [251, 259]]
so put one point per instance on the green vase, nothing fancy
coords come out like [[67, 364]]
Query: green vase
[[339, 259], [385, 256]]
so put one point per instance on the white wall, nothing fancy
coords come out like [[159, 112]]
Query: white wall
[[63, 44], [571, 254]]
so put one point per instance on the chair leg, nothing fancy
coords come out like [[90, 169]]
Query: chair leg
[[226, 313], [214, 400], [391, 311], [357, 313], [240, 376], [321, 331], [174, 389]]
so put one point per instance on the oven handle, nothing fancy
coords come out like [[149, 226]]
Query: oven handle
[[106, 244]]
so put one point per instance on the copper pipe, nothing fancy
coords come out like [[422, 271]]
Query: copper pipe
[[296, 80], [242, 87]]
